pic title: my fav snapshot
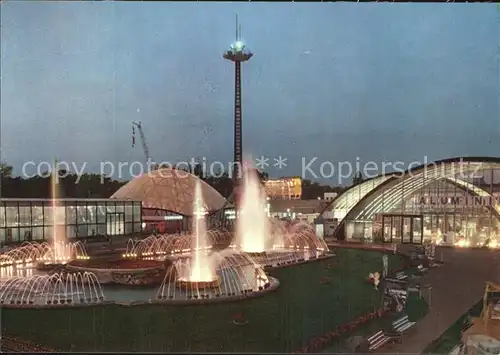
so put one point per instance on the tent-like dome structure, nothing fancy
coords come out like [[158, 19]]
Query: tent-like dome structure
[[170, 190]]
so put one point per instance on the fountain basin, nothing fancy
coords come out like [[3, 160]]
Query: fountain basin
[[189, 284], [133, 272], [212, 296], [44, 266], [254, 254]]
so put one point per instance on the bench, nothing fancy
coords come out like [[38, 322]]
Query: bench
[[401, 276], [377, 340], [94, 239], [421, 269], [402, 324]]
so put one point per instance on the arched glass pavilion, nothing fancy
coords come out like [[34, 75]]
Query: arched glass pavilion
[[443, 201]]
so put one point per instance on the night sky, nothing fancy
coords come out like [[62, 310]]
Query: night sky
[[377, 82]]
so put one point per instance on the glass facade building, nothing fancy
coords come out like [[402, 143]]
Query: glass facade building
[[446, 201], [34, 219]]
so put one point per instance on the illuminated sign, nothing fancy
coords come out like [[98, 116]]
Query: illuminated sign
[[458, 200]]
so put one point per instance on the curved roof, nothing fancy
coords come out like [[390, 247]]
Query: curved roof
[[384, 192], [169, 189]]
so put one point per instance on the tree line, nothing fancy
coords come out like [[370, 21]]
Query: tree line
[[99, 186]]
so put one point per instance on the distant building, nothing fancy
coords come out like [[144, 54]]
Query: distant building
[[329, 196], [37, 220], [303, 210], [286, 188]]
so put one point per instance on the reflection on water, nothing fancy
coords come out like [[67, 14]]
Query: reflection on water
[[19, 270]]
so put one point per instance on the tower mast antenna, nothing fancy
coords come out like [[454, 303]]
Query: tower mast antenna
[[237, 53], [237, 32]]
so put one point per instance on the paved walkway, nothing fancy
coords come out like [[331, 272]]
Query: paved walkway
[[456, 287]]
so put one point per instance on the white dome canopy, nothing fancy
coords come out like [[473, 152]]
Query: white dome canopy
[[169, 189]]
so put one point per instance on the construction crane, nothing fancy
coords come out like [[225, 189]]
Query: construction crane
[[143, 140]]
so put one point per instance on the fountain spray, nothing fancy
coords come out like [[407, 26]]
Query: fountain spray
[[61, 251], [201, 269], [253, 227]]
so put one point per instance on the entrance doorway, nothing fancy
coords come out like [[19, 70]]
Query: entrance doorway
[[115, 223], [402, 228]]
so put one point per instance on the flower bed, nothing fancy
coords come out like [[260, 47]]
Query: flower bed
[[120, 264], [12, 344], [122, 271], [320, 342]]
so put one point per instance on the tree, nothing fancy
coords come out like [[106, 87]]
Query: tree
[[357, 178], [5, 170], [313, 190], [69, 185], [5, 173], [97, 186], [221, 182], [263, 176], [198, 171]]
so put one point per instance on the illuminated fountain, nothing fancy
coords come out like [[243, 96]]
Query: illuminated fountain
[[272, 243], [210, 274], [201, 268], [237, 276], [51, 290], [60, 252], [43, 255], [23, 260], [32, 252], [253, 227], [196, 245], [162, 245]]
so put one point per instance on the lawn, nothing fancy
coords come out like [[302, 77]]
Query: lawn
[[281, 321]]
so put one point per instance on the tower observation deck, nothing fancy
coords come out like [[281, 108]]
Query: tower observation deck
[[237, 53]]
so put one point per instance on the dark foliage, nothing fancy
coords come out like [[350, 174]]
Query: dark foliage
[[99, 186]]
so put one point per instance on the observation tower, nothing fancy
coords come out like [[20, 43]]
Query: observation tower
[[237, 54]]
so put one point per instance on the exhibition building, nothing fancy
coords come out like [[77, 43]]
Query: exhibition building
[[34, 219], [449, 201], [453, 201], [161, 201]]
